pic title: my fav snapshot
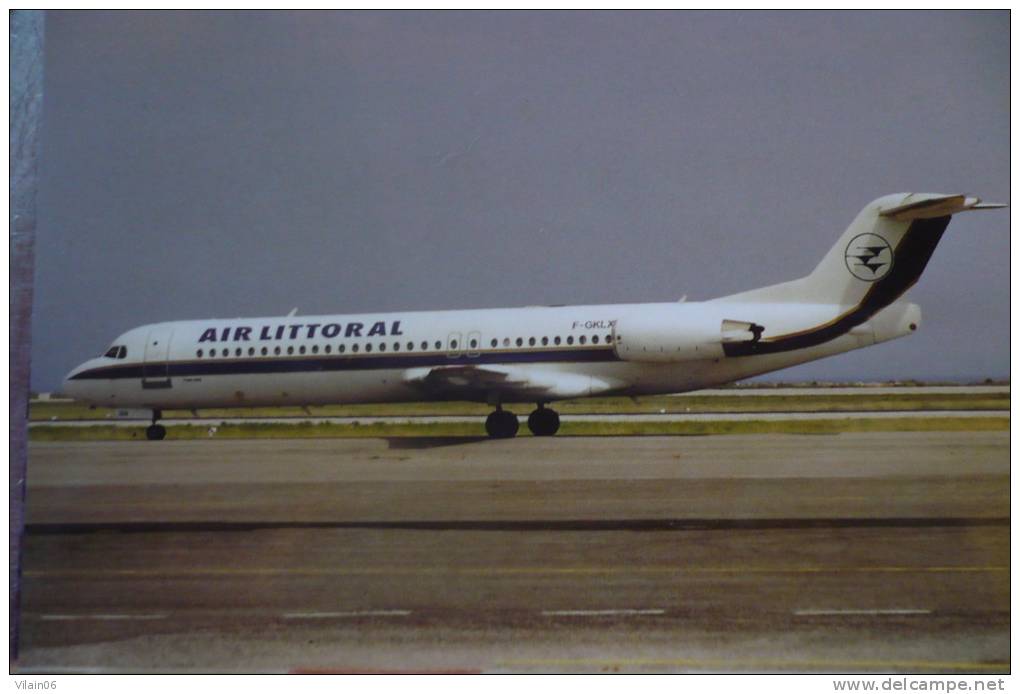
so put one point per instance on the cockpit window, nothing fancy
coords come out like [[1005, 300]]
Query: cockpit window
[[116, 352]]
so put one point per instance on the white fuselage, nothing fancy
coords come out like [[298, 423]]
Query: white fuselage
[[572, 351], [537, 354]]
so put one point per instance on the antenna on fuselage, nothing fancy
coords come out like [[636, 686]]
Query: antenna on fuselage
[[293, 312]]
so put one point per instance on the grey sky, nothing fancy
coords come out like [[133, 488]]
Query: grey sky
[[198, 165]]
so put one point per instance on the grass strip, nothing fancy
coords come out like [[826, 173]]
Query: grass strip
[[55, 411], [310, 430]]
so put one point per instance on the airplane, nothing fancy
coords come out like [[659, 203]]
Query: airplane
[[535, 354]]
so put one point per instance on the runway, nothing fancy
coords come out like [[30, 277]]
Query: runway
[[843, 553]]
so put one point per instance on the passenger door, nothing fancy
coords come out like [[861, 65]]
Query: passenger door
[[156, 367]]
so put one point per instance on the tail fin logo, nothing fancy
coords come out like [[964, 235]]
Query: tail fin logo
[[869, 257]]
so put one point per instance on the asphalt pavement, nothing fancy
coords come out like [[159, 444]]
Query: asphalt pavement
[[839, 553]]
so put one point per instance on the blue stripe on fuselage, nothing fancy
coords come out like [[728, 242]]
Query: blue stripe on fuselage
[[221, 366]]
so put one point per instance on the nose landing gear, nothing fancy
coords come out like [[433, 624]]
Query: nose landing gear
[[155, 432]]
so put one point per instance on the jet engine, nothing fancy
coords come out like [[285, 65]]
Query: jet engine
[[649, 338]]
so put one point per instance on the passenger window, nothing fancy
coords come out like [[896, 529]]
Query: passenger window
[[396, 346], [506, 341], [315, 349], [531, 341], [594, 339], [439, 344], [264, 351], [410, 346], [520, 342], [251, 351], [212, 352], [301, 349], [354, 347], [570, 339], [198, 354], [237, 352], [226, 352], [556, 340], [609, 339], [453, 344], [368, 346], [327, 349], [545, 341], [341, 349], [494, 342], [382, 346], [276, 350], [290, 350], [582, 339], [424, 345]]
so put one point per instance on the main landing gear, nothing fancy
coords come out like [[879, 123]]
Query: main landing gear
[[544, 422], [502, 424], [155, 432]]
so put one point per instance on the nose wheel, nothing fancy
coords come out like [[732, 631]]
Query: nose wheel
[[155, 432], [502, 424], [544, 422]]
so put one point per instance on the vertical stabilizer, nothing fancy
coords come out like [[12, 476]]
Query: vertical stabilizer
[[880, 255]]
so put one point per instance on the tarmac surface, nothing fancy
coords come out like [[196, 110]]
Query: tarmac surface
[[839, 553]]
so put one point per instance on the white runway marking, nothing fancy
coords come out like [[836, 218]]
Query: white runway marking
[[599, 613], [851, 390], [102, 617], [818, 613], [341, 615]]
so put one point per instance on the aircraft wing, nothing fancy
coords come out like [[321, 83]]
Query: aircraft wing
[[508, 383]]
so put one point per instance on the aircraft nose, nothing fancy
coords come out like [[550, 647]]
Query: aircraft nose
[[72, 386]]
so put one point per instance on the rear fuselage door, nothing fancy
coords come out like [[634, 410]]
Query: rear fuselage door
[[155, 369]]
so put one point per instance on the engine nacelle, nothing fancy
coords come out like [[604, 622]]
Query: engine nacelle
[[658, 339]]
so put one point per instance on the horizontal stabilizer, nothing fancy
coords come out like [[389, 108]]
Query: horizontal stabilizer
[[928, 206]]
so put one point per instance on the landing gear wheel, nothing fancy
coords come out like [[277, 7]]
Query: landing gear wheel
[[502, 425], [155, 432], [544, 422]]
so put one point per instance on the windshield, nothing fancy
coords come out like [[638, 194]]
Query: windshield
[[116, 352]]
